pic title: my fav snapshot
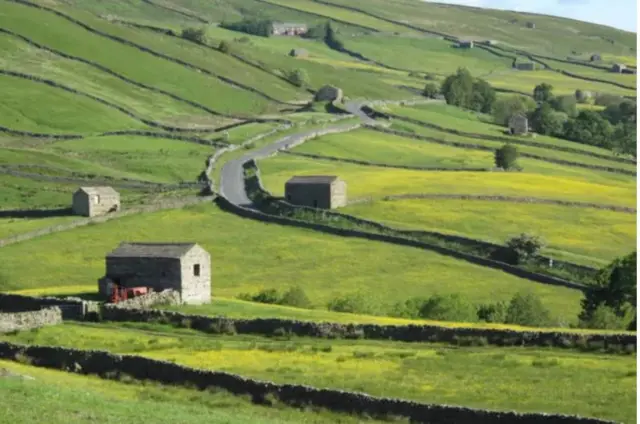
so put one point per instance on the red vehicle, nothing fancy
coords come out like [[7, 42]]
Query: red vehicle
[[120, 294]]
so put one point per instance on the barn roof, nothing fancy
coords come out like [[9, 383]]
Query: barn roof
[[106, 191], [312, 179], [151, 250]]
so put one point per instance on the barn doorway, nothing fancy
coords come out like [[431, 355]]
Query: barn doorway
[[315, 203]]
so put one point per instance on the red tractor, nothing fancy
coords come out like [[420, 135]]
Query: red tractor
[[120, 294]]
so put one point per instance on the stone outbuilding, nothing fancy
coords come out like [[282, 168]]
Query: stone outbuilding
[[525, 66], [328, 93], [518, 124], [531, 25], [618, 67], [287, 28], [317, 191], [465, 44], [93, 201], [595, 57], [183, 267], [299, 53]]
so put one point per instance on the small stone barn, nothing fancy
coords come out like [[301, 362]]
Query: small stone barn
[[518, 124], [595, 57], [183, 267], [465, 44], [298, 53], [92, 201], [618, 67], [531, 25], [525, 66], [318, 191]]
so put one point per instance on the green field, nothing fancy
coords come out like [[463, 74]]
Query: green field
[[68, 398], [536, 379], [280, 257]]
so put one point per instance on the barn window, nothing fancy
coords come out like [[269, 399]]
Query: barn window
[[196, 270]]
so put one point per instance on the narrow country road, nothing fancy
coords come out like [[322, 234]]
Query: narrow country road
[[232, 175]]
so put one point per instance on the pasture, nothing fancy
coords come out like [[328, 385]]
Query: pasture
[[546, 380], [326, 266]]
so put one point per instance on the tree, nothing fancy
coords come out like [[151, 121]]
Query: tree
[[525, 246], [506, 107], [331, 39], [527, 309], [565, 104], [506, 157], [299, 78], [624, 139], [583, 96], [430, 90], [545, 121], [493, 312], [452, 307], [615, 288], [605, 318], [624, 112], [543, 92], [196, 35], [262, 27], [483, 97], [458, 88], [589, 127], [224, 47], [295, 296]]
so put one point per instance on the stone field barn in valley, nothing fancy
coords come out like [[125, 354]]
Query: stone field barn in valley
[[183, 267], [320, 191], [92, 201]]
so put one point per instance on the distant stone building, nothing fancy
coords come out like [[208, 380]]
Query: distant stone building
[[183, 267], [92, 201], [518, 124], [525, 66], [618, 67], [289, 29], [491, 42], [595, 57], [531, 25], [324, 192], [465, 44], [298, 53], [328, 93]]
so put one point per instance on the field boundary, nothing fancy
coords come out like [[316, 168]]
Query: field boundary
[[104, 363], [170, 9]]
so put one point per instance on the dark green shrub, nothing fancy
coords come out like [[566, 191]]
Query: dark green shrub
[[431, 90], [451, 307], [224, 47], [295, 296], [493, 312], [270, 296], [299, 77], [528, 310], [355, 303], [409, 308], [196, 35], [262, 27], [525, 246], [506, 157], [605, 318]]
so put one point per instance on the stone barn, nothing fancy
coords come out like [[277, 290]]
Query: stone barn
[[183, 267], [525, 66], [618, 67], [320, 191], [531, 25], [518, 125], [92, 201], [289, 29], [595, 57], [298, 53], [465, 44], [328, 93]]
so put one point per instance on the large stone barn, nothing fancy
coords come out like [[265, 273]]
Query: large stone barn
[[518, 124], [183, 267], [92, 201], [318, 191]]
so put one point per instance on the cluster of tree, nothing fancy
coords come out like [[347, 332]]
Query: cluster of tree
[[611, 304], [196, 35], [463, 90], [261, 27], [299, 78], [331, 39], [613, 128]]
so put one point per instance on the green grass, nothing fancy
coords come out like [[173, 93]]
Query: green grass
[[69, 398], [20, 56], [59, 33], [522, 379], [37, 107], [146, 158], [626, 79], [369, 181], [570, 232], [281, 257], [13, 226], [243, 133]]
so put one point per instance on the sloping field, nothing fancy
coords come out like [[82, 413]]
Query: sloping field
[[367, 181], [535, 379], [326, 266]]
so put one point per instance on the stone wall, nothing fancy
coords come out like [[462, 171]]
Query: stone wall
[[72, 308], [141, 368], [19, 321], [165, 297]]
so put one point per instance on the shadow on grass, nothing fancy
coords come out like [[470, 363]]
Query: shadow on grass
[[36, 213]]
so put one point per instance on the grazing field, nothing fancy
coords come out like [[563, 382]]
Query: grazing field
[[280, 257], [562, 381], [586, 71], [12, 226], [66, 398], [568, 231], [145, 158], [374, 182]]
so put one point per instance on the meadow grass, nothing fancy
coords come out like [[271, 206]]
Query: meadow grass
[[37, 107], [18, 55], [589, 236], [58, 33], [451, 117], [326, 266], [69, 398], [375, 182], [13, 226], [146, 158], [586, 71], [243, 133], [514, 378]]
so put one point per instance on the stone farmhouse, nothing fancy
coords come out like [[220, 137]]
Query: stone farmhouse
[[93, 201], [518, 124], [290, 29], [183, 267], [319, 191]]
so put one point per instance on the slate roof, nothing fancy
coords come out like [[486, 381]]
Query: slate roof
[[105, 191], [312, 179], [151, 250]]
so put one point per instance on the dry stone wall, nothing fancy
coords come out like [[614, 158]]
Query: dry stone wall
[[72, 308], [19, 321], [141, 368]]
